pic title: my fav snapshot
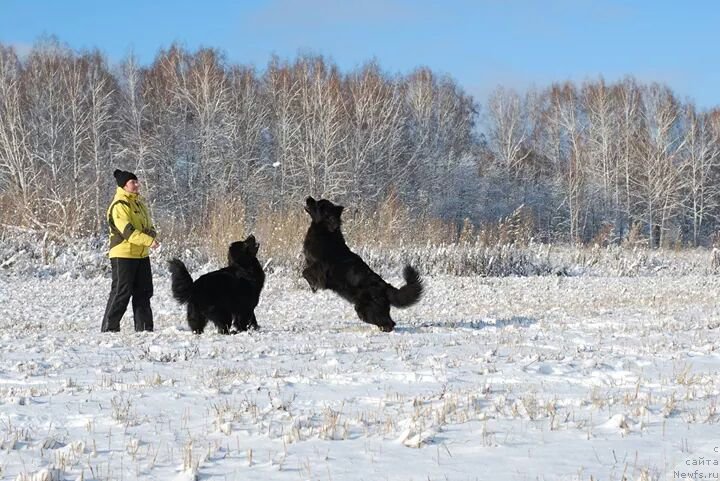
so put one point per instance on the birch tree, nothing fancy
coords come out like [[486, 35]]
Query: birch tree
[[322, 130], [134, 144], [169, 153], [632, 128], [17, 175], [53, 97], [375, 132], [284, 95], [102, 120], [602, 149], [508, 130], [699, 168], [658, 180], [249, 165], [203, 87], [565, 114], [439, 122]]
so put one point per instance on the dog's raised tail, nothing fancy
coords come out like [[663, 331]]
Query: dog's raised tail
[[408, 294], [181, 281]]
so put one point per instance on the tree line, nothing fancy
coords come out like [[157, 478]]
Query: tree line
[[581, 160], [609, 157]]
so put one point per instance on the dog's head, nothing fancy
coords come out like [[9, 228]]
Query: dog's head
[[324, 212], [244, 249]]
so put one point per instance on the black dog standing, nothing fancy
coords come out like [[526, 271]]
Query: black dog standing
[[227, 296], [330, 264]]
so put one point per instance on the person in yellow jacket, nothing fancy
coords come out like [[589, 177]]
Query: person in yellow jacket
[[132, 235]]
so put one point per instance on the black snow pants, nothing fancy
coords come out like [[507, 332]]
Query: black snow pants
[[130, 278]]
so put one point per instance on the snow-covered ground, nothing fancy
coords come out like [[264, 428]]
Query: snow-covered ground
[[535, 378]]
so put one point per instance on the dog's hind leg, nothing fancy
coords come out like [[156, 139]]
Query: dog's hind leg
[[222, 320], [244, 321], [385, 322], [196, 320], [375, 313], [252, 324], [240, 322]]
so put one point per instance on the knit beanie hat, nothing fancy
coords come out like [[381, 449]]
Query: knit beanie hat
[[122, 176]]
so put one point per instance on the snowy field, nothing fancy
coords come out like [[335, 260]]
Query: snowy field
[[537, 378]]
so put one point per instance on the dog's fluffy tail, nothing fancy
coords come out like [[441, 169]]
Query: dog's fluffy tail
[[182, 283], [408, 294]]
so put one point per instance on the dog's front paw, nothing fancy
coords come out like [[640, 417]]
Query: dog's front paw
[[312, 278]]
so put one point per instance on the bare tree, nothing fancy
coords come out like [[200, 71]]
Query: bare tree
[[325, 170], [657, 181], [418, 95], [51, 80], [133, 143], [508, 131], [375, 131], [17, 174], [102, 88], [249, 166], [699, 168], [603, 151], [168, 135], [204, 88], [632, 128], [566, 114], [15, 167], [439, 123], [284, 95]]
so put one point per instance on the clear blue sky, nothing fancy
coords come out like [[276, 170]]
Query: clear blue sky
[[481, 43]]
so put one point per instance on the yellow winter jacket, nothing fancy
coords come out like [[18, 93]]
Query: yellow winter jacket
[[131, 230]]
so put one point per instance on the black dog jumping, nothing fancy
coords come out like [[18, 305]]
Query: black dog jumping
[[228, 296], [330, 264]]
